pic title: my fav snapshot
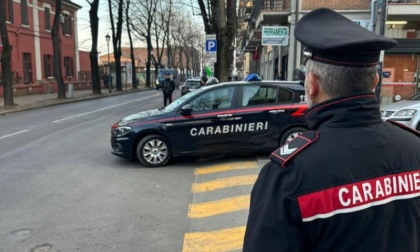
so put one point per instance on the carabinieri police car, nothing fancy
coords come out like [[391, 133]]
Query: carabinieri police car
[[256, 116]]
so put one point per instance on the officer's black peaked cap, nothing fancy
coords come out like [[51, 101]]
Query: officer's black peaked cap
[[331, 38]]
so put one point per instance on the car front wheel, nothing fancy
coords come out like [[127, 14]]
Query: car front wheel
[[154, 151], [291, 134]]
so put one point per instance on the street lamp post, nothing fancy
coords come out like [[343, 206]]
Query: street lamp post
[[108, 38]]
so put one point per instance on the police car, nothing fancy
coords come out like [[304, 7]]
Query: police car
[[230, 117]]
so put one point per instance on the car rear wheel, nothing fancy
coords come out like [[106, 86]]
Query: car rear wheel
[[291, 134], [154, 151]]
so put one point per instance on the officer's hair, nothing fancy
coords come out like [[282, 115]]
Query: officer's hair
[[341, 80]]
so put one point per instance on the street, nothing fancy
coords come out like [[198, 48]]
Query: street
[[62, 189]]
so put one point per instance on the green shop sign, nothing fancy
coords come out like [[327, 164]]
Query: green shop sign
[[275, 35]]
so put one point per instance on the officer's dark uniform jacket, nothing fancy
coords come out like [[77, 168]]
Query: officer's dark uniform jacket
[[351, 183]]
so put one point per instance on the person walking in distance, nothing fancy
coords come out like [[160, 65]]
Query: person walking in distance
[[168, 89], [352, 182], [105, 80], [110, 85]]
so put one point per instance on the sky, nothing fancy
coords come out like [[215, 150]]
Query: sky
[[85, 41]]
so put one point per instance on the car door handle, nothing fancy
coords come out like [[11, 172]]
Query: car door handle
[[276, 111], [224, 116]]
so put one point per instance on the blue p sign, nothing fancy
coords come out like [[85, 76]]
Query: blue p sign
[[211, 46]]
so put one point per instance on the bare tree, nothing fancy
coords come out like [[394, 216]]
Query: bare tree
[[220, 18], [6, 67], [116, 38], [133, 60], [144, 12], [55, 35], [186, 37], [93, 55]]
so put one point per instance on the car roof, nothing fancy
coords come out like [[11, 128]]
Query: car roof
[[288, 84]]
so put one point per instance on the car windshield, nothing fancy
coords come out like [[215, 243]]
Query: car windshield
[[161, 73], [175, 104]]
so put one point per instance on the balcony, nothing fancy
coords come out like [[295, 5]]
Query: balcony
[[264, 12], [403, 20]]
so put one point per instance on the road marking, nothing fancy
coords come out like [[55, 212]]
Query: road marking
[[220, 240], [19, 132], [226, 167], [211, 208], [94, 111], [223, 183]]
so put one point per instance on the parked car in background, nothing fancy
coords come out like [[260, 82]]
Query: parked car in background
[[231, 117], [161, 77], [406, 112], [190, 85]]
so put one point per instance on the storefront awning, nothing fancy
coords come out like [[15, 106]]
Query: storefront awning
[[405, 46]]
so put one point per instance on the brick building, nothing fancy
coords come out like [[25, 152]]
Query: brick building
[[29, 24]]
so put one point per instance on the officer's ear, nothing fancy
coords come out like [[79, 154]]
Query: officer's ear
[[375, 81], [312, 83], [315, 90]]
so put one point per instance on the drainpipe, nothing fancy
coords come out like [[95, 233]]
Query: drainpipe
[[291, 61]]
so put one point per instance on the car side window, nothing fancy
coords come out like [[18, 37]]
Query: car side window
[[258, 95], [220, 98], [284, 95]]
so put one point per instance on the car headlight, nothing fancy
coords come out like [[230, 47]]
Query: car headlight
[[121, 131], [406, 112]]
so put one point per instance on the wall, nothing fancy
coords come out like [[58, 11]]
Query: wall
[[336, 4]]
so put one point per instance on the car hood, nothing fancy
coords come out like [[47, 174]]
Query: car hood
[[142, 116], [407, 104]]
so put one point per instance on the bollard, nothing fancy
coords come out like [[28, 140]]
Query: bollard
[[71, 88]]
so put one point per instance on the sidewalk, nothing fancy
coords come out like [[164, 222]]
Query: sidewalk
[[42, 100]]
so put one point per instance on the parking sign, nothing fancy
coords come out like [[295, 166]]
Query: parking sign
[[211, 45]]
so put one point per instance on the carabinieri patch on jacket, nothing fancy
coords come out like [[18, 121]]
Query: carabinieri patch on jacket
[[286, 152]]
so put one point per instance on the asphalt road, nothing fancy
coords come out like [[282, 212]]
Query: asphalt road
[[62, 190]]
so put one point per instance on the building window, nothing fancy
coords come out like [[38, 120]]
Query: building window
[[24, 12], [67, 27], [68, 66], [9, 8], [27, 68], [48, 66], [47, 19]]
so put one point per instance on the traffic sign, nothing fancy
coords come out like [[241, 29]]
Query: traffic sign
[[211, 45]]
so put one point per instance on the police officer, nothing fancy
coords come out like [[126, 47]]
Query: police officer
[[168, 89], [352, 182]]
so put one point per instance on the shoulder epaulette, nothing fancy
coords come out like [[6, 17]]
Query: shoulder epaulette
[[403, 126], [286, 152]]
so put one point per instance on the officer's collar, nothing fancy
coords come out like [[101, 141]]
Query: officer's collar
[[348, 111]]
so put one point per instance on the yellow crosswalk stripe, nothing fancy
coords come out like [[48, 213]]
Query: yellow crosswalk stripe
[[206, 209], [223, 183], [226, 167], [220, 240]]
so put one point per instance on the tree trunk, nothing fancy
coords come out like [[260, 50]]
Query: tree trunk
[[5, 58], [55, 35], [93, 55], [116, 40], [133, 60]]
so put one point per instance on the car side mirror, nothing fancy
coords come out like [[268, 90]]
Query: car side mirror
[[186, 109]]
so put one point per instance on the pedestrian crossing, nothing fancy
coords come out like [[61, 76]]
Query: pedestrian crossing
[[220, 205]]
